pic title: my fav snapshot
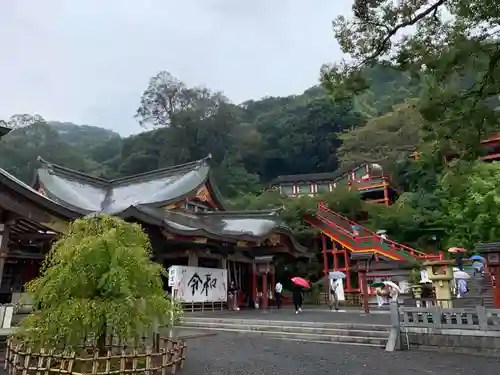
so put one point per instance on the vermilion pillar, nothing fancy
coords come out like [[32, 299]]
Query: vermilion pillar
[[273, 283], [265, 292], [386, 194], [254, 283], [495, 282], [364, 290], [325, 258]]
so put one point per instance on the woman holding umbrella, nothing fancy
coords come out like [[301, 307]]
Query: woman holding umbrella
[[459, 253], [334, 278], [297, 296]]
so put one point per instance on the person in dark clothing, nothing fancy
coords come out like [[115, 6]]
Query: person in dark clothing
[[297, 299], [233, 297]]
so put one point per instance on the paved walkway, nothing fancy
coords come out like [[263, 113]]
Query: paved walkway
[[308, 315], [234, 354]]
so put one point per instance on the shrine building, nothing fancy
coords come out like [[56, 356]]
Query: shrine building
[[180, 209]]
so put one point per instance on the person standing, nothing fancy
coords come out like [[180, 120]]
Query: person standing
[[381, 293], [334, 298], [277, 290], [233, 297], [297, 299], [462, 288], [393, 294]]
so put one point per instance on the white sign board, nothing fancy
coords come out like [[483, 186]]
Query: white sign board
[[197, 284], [172, 276], [424, 277]]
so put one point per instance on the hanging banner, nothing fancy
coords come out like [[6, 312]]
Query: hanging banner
[[197, 284]]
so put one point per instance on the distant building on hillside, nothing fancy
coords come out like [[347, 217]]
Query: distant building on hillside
[[490, 144], [368, 178]]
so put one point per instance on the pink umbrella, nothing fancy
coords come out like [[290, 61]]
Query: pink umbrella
[[457, 250], [300, 282]]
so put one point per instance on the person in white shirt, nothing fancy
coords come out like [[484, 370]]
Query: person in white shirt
[[334, 298], [277, 290]]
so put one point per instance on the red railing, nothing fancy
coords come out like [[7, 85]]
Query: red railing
[[356, 239], [377, 239], [381, 178]]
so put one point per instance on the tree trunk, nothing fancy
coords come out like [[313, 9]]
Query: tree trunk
[[101, 342]]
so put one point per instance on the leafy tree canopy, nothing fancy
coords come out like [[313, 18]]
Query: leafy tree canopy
[[97, 280], [450, 45], [471, 204]]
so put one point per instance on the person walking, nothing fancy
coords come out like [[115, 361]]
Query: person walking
[[277, 290], [334, 298], [297, 299]]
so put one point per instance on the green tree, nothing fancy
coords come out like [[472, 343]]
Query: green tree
[[97, 280], [471, 205], [451, 45], [20, 149], [387, 139], [294, 210]]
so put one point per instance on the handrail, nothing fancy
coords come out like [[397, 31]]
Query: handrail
[[327, 210], [393, 244], [384, 177]]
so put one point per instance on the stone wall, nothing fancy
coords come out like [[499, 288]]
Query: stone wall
[[457, 340]]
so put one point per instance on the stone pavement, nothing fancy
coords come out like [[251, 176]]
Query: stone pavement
[[233, 354], [380, 317]]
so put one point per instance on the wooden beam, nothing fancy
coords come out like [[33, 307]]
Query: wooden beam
[[29, 210]]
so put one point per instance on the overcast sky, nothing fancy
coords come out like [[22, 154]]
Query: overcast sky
[[88, 61]]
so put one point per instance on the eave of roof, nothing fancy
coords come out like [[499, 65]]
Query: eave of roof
[[329, 176], [167, 219], [191, 224], [30, 194], [4, 130], [109, 185]]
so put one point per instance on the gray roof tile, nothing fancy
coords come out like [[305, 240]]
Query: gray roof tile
[[89, 194], [253, 226]]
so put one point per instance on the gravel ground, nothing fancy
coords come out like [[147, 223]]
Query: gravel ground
[[234, 354]]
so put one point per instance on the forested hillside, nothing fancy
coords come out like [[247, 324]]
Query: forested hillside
[[251, 143]]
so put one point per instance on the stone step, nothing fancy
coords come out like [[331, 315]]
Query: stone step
[[289, 329], [307, 337], [319, 332], [288, 323]]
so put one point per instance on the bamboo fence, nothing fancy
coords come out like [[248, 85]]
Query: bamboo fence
[[166, 357]]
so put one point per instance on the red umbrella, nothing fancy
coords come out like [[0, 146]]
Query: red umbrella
[[300, 282], [457, 250]]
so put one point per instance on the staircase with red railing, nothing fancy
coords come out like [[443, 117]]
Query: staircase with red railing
[[340, 229]]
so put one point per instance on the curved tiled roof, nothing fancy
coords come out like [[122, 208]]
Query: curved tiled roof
[[86, 193], [251, 226], [27, 192], [142, 197], [4, 130]]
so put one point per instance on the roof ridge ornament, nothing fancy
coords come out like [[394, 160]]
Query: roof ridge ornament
[[48, 166]]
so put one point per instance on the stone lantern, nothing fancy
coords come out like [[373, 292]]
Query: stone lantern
[[440, 272]]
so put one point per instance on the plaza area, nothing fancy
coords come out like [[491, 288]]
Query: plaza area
[[238, 354]]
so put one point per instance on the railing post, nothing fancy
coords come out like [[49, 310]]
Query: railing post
[[482, 317], [394, 340], [437, 316]]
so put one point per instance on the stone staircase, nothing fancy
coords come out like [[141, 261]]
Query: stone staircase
[[319, 332], [475, 296]]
